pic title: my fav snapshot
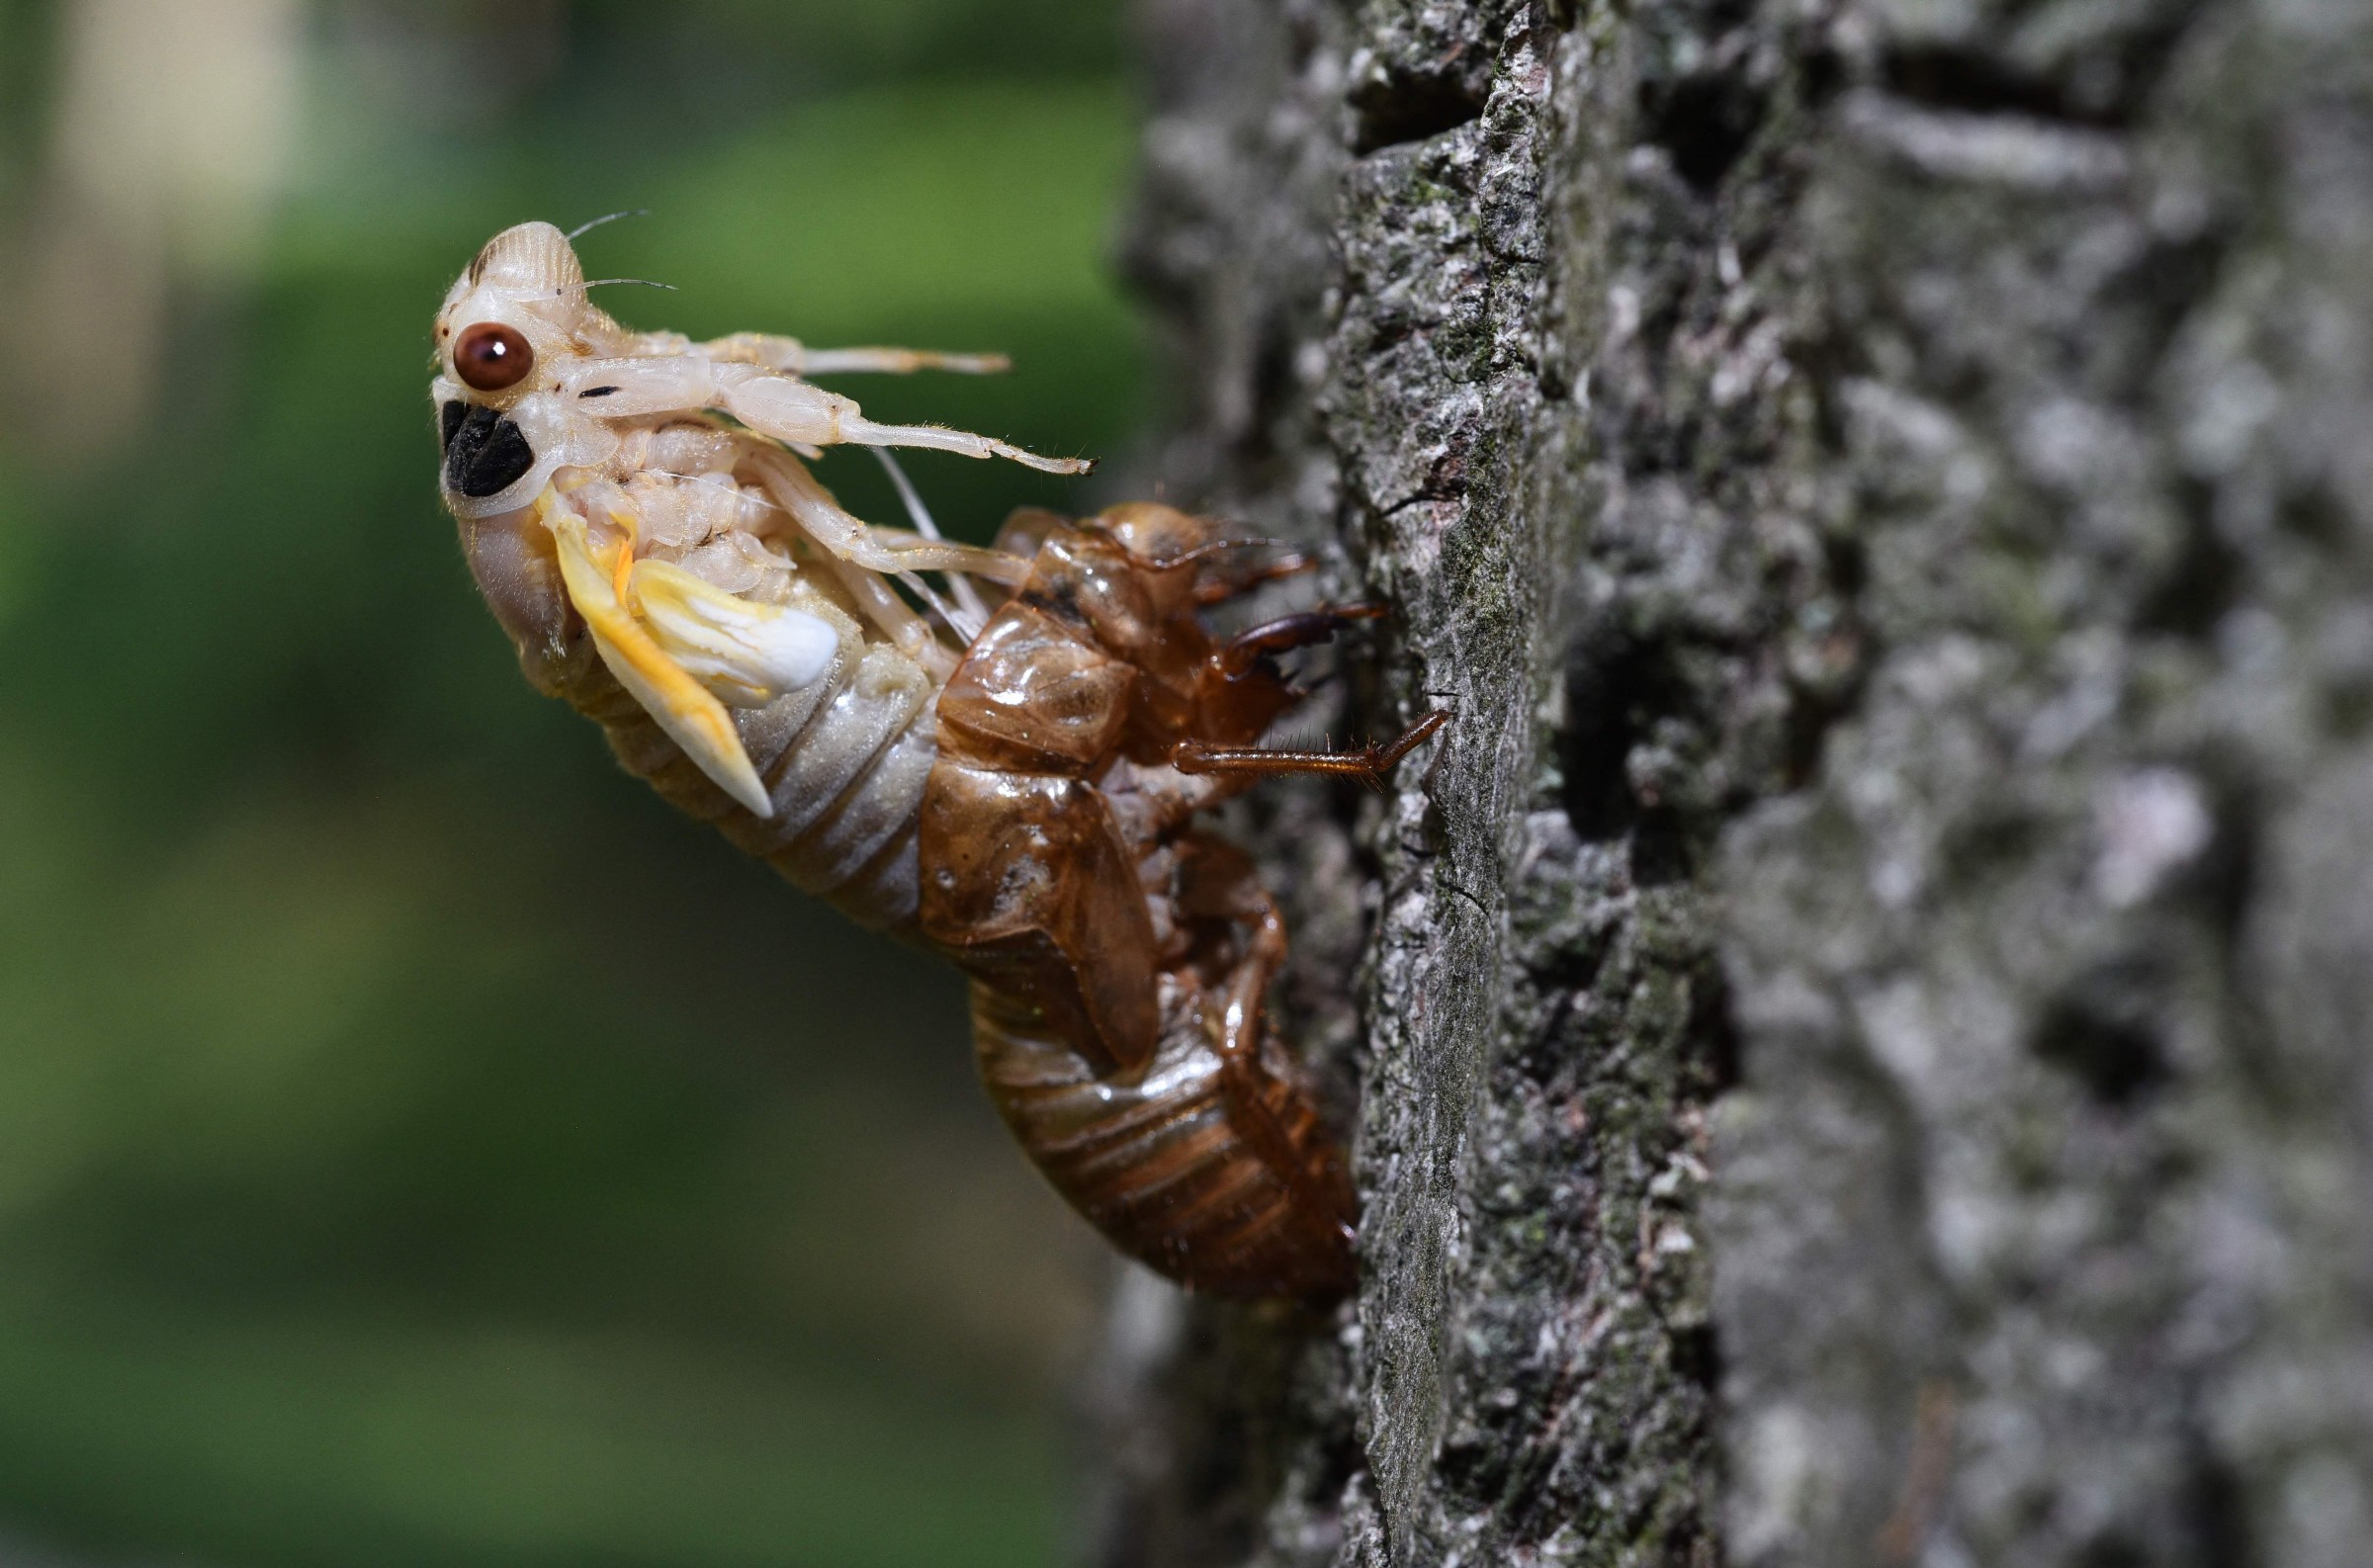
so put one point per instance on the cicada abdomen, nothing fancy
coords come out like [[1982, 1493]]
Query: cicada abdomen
[[1213, 1171]]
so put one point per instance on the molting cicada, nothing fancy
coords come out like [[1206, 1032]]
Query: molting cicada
[[1007, 770]]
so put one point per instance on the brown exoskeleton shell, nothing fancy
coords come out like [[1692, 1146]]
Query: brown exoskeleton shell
[[1119, 955]]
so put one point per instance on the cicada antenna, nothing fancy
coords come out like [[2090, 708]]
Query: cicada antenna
[[606, 218], [580, 287]]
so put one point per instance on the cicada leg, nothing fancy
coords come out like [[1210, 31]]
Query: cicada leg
[[1272, 1114], [856, 429], [1221, 583], [794, 358], [901, 362], [1243, 653], [1243, 691], [1369, 763], [788, 484]]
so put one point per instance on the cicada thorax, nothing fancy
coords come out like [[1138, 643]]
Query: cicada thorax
[[1118, 956]]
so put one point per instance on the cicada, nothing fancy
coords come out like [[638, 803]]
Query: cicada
[[1007, 768]]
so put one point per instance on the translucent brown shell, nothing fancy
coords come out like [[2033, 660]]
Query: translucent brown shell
[[1121, 955]]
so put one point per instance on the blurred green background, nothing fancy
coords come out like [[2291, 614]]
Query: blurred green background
[[416, 1145]]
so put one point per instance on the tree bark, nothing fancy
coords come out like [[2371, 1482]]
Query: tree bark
[[1857, 1034]]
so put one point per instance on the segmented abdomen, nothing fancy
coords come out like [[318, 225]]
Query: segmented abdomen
[[844, 762], [1161, 1165]]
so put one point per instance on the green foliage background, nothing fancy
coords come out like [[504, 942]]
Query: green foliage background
[[416, 1146]]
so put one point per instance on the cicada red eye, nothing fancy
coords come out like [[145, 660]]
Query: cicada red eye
[[492, 356]]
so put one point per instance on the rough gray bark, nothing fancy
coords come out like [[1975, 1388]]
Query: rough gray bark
[[1858, 1040]]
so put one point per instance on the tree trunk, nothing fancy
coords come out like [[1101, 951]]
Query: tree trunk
[[1857, 1034]]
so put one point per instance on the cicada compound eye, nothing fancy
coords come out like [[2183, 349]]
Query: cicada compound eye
[[490, 356]]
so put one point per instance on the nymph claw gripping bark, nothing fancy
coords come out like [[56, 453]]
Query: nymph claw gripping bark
[[1015, 789]]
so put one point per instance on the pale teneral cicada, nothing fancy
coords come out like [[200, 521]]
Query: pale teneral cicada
[[1005, 768]]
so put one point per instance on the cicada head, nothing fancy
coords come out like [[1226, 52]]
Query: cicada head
[[511, 325]]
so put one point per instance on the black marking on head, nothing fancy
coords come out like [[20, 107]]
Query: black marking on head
[[484, 453], [478, 264], [448, 420], [597, 392]]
